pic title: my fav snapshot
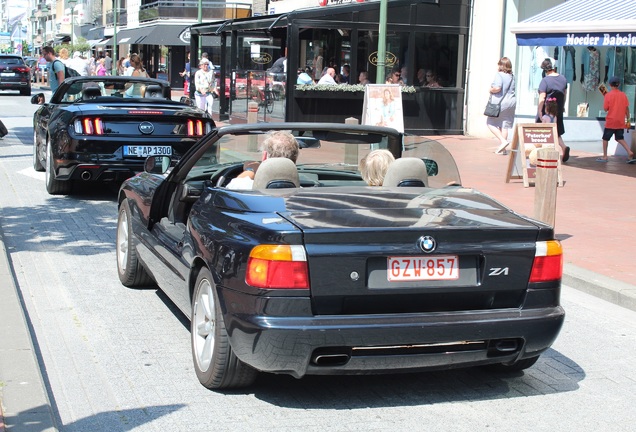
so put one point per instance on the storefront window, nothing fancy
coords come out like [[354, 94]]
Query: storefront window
[[585, 69], [321, 49]]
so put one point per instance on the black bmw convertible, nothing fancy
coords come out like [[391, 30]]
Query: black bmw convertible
[[102, 128], [314, 272]]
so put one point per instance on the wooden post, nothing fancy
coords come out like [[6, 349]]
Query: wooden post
[[546, 181], [351, 151], [252, 117]]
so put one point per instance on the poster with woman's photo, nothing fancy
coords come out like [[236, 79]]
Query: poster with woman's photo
[[383, 106]]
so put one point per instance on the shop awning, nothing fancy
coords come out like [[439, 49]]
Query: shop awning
[[581, 23], [166, 34], [131, 36], [104, 42]]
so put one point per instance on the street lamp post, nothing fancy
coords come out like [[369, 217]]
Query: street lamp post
[[33, 30], [72, 4]]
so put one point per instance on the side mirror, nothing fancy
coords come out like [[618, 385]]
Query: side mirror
[[186, 100], [157, 164], [38, 99]]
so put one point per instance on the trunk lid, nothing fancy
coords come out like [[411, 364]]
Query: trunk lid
[[388, 251]]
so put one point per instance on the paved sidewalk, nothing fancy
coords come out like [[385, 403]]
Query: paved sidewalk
[[596, 216]]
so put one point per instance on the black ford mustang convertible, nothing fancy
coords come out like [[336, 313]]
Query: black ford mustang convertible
[[102, 129], [314, 272]]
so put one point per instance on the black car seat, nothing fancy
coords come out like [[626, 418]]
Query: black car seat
[[276, 173], [91, 93], [406, 172]]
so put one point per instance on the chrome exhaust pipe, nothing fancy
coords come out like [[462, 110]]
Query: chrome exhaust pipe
[[507, 345], [335, 359], [86, 175]]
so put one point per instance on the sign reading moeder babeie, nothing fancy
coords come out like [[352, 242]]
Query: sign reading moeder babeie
[[616, 39], [527, 137]]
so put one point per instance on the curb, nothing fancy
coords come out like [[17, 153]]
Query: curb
[[24, 399], [603, 287]]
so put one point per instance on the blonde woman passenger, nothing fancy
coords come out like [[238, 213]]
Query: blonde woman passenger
[[374, 166]]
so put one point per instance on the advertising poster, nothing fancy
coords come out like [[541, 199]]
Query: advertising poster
[[383, 106]]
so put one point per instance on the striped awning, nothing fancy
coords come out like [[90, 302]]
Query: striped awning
[[581, 23]]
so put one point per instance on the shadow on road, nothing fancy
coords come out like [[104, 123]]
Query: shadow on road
[[552, 374], [112, 421]]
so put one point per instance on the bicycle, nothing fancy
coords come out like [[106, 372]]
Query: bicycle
[[266, 100]]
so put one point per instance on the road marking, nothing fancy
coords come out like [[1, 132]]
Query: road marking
[[30, 172]]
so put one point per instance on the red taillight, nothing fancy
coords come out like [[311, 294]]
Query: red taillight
[[22, 69], [195, 128], [89, 126], [277, 267], [548, 262], [145, 112]]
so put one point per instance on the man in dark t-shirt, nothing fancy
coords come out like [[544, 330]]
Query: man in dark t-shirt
[[554, 85]]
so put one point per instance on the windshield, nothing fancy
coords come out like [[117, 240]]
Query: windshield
[[129, 87], [331, 153]]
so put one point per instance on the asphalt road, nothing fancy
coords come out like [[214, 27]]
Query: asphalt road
[[116, 359]]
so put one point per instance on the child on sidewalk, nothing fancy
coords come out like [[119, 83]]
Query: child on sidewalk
[[617, 119], [551, 111]]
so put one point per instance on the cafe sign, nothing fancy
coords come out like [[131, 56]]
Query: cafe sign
[[390, 58], [263, 58]]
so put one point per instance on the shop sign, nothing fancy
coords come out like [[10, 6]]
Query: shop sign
[[338, 2], [185, 36], [262, 58], [390, 59], [601, 39]]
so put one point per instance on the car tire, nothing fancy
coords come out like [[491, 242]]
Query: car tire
[[54, 186], [130, 270], [37, 163], [514, 367], [26, 92], [215, 364]]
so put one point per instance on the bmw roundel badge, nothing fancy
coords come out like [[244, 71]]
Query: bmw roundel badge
[[146, 128], [427, 244]]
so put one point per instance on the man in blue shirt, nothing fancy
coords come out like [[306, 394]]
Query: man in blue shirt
[[55, 67]]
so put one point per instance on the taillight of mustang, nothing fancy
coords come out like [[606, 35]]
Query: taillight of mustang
[[196, 128], [548, 262], [278, 267], [89, 126]]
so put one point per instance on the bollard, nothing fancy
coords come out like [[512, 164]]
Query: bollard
[[351, 151], [252, 117], [546, 181]]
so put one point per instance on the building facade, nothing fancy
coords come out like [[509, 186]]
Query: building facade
[[159, 30]]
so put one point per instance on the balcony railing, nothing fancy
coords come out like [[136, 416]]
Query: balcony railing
[[188, 10], [122, 18]]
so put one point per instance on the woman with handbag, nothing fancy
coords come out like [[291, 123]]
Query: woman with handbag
[[502, 104]]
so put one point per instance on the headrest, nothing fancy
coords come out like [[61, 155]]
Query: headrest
[[276, 173], [91, 93], [154, 91], [406, 172]]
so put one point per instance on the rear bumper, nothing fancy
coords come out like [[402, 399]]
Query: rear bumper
[[356, 344], [99, 171], [15, 85]]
